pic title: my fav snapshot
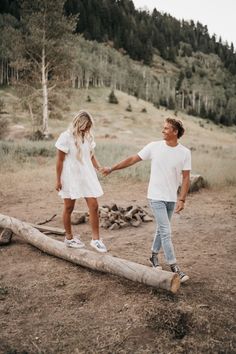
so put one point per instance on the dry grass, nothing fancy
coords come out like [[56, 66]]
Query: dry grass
[[120, 133]]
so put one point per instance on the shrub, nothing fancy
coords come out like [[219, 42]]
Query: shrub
[[112, 98], [2, 105], [56, 114], [4, 126], [171, 103], [88, 99], [129, 108], [38, 136]]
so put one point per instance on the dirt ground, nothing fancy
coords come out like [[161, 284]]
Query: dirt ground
[[48, 305]]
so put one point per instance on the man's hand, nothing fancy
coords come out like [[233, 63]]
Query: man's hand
[[105, 171], [58, 186], [179, 206]]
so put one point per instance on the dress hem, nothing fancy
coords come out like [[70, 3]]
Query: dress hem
[[79, 197]]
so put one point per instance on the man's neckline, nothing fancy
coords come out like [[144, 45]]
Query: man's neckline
[[171, 146]]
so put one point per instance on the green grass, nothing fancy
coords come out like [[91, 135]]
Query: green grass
[[109, 154], [15, 154]]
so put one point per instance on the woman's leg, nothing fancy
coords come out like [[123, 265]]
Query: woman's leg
[[163, 212], [68, 208], [93, 216]]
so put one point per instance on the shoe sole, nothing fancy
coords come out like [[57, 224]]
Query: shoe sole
[[99, 250], [158, 268], [80, 246], [184, 279], [74, 247]]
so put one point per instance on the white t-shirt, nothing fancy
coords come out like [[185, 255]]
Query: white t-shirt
[[167, 164], [79, 179]]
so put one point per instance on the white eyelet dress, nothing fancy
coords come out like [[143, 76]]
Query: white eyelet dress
[[79, 179]]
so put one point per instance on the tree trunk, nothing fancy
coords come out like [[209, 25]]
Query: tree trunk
[[45, 95], [101, 262]]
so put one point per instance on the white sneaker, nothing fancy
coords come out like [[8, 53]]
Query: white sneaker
[[78, 241], [72, 243], [98, 245]]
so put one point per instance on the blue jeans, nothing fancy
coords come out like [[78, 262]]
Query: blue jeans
[[163, 212]]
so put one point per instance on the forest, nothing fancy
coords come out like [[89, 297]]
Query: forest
[[80, 43]]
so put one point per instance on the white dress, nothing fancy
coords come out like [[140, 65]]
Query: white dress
[[79, 179]]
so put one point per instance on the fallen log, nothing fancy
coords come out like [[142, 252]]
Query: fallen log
[[47, 220], [52, 230], [100, 262]]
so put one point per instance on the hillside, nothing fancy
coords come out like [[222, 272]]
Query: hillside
[[174, 64], [51, 306], [124, 132]]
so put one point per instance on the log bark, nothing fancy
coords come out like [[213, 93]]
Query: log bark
[[100, 262]]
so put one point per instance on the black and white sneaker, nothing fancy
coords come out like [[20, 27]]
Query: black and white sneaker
[[175, 269], [154, 261]]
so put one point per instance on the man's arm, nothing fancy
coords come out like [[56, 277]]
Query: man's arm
[[120, 165], [183, 191]]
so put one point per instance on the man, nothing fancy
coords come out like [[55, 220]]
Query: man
[[170, 168]]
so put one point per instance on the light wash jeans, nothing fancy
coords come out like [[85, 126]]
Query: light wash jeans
[[163, 212]]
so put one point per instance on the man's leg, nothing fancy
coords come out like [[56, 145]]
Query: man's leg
[[162, 212]]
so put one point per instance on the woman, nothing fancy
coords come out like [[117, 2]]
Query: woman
[[77, 178]]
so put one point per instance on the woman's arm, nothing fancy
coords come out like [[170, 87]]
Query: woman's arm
[[95, 163], [59, 165]]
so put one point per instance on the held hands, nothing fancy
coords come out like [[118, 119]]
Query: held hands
[[179, 206], [105, 171]]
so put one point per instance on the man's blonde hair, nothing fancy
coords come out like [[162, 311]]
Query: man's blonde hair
[[177, 125]]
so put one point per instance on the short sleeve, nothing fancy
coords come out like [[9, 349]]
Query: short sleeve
[[145, 153], [187, 161], [62, 142], [92, 145]]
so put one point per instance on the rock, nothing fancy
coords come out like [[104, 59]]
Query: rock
[[78, 217], [102, 214], [114, 216], [147, 218], [114, 207], [105, 207], [105, 224], [123, 223], [137, 217], [115, 226], [135, 223], [196, 182]]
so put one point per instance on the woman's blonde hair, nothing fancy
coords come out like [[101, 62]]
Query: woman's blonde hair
[[81, 121]]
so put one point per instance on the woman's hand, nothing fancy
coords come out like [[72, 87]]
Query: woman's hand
[[105, 171], [58, 186]]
